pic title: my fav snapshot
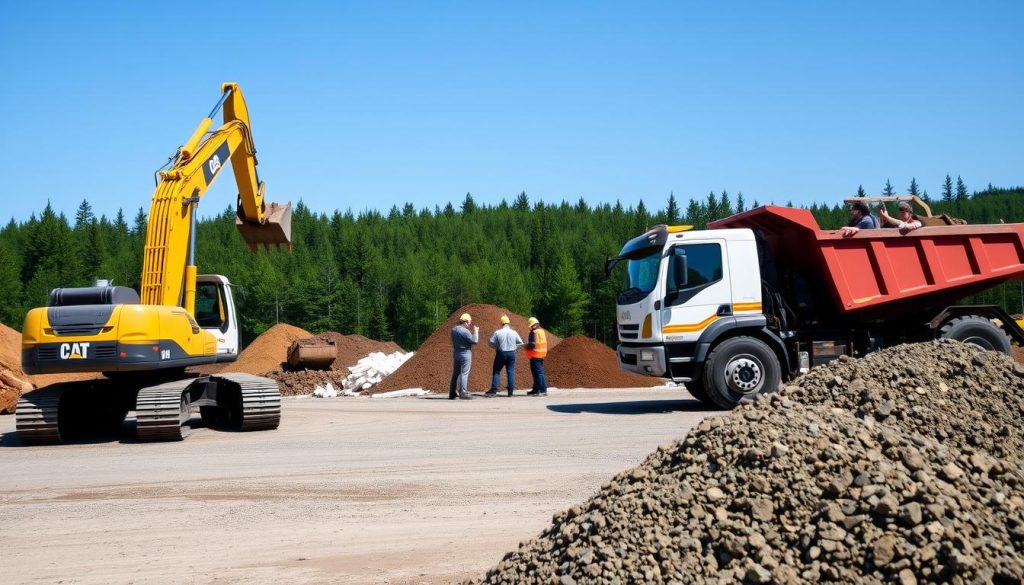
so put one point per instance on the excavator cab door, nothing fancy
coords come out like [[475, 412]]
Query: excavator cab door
[[215, 313]]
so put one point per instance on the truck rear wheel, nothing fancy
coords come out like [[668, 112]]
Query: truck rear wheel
[[739, 369], [977, 331]]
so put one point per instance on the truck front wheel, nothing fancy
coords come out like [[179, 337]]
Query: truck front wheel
[[740, 368], [977, 331]]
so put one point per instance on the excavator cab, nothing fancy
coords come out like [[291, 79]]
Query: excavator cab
[[215, 313]]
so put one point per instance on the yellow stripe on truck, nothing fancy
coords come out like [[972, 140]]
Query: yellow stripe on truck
[[689, 328], [746, 307]]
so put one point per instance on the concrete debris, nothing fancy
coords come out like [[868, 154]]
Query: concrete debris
[[325, 391]]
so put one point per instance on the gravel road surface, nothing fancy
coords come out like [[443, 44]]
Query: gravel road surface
[[348, 490]]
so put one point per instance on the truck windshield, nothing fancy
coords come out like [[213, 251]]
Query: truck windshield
[[643, 276]]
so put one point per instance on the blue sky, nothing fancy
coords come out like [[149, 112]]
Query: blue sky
[[368, 105]]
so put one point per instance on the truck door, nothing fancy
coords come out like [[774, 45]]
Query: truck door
[[697, 298]]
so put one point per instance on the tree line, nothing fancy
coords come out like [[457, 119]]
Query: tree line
[[397, 276]]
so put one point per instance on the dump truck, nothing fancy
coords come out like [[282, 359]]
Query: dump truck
[[734, 310], [143, 341]]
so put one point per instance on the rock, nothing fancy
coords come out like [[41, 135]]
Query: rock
[[910, 514], [884, 550], [714, 494], [951, 472], [758, 574]]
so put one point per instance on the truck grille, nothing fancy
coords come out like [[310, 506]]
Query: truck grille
[[629, 331]]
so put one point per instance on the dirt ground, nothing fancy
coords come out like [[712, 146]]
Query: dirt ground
[[348, 490]]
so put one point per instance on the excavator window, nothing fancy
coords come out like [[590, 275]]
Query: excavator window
[[209, 306]]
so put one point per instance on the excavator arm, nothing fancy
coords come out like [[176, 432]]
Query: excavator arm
[[169, 263]]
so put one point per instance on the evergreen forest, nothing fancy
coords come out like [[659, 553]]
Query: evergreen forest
[[397, 276]]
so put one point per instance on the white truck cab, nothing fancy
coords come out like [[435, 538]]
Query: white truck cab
[[686, 289], [215, 312]]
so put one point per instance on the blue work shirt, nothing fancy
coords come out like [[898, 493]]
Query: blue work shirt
[[866, 222], [505, 339], [462, 338]]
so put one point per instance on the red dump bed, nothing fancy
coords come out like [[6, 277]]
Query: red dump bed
[[878, 270]]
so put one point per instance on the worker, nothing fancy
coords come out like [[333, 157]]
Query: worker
[[464, 337], [536, 350], [504, 341], [907, 221], [860, 219]]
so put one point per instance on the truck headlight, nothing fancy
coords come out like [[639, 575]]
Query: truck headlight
[[646, 355]]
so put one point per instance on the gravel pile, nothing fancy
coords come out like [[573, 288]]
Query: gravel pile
[[851, 475]]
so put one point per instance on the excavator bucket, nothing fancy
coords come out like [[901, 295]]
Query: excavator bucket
[[276, 230]]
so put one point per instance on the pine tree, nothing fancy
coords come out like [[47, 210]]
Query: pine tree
[[522, 202], [468, 205], [740, 203], [947, 190], [724, 205], [961, 191], [914, 189], [888, 191], [861, 192], [694, 214], [672, 210], [84, 216], [564, 301]]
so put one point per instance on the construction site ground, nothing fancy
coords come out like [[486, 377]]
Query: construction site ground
[[348, 490]]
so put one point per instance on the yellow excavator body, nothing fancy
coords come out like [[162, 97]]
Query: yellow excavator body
[[143, 341]]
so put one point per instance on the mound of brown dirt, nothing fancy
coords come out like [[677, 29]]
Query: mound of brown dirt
[[431, 367], [10, 350], [305, 381], [583, 362], [266, 352]]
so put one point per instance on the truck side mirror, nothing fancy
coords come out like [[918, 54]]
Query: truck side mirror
[[679, 268], [679, 276]]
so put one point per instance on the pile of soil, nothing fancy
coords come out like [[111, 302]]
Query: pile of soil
[[13, 381], [902, 467], [265, 354], [303, 382], [584, 362], [431, 367]]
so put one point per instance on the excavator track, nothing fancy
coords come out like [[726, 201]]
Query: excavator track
[[162, 412], [37, 416], [260, 401]]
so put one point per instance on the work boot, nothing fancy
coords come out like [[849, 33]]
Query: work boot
[[510, 392], [465, 396], [532, 393], [491, 392]]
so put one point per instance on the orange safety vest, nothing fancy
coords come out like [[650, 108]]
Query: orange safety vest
[[540, 345]]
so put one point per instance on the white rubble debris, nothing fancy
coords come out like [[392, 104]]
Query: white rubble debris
[[328, 392], [401, 393], [370, 370]]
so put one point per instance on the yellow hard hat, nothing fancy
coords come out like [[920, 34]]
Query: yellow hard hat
[[465, 318], [505, 320], [532, 321]]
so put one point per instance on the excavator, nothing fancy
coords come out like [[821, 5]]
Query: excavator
[[142, 342]]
